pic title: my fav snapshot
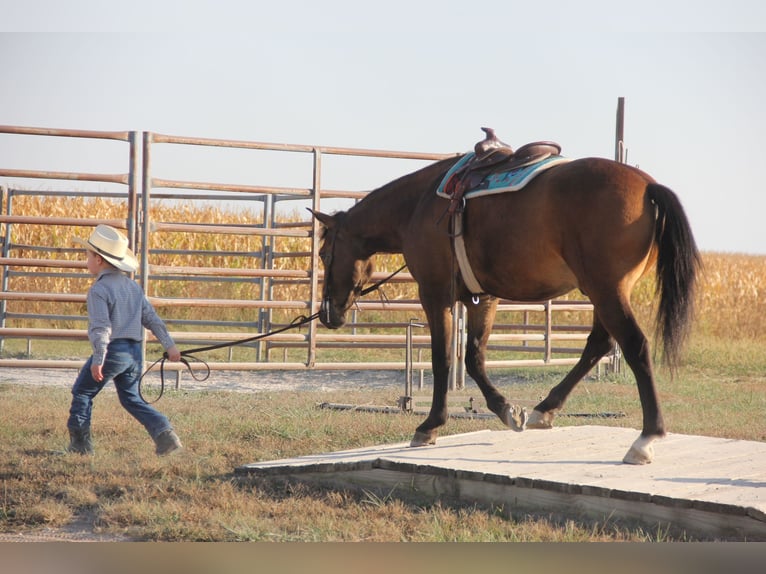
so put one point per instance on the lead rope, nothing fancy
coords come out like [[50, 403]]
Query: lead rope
[[377, 285], [187, 356]]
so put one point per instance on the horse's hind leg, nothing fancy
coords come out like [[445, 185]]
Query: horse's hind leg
[[618, 318], [480, 317], [599, 343], [635, 348]]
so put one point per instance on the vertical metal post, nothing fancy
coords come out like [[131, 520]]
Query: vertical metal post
[[314, 294], [408, 359], [620, 155], [5, 252], [548, 331], [461, 349], [408, 363], [420, 372], [266, 316], [134, 214], [619, 140], [133, 171], [143, 223], [457, 348]]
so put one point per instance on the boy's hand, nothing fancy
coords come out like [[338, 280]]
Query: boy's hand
[[174, 354], [98, 375]]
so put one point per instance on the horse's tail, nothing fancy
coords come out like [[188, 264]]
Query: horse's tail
[[678, 263]]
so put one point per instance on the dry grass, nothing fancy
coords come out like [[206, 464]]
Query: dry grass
[[126, 490]]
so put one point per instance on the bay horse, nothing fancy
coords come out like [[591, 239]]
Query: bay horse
[[590, 224]]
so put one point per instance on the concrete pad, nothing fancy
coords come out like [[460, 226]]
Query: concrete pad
[[707, 487]]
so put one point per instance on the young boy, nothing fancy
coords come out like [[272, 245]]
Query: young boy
[[118, 311]]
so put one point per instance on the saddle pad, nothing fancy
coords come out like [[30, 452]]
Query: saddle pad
[[503, 181]]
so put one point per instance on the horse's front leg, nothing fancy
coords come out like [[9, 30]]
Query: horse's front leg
[[440, 322], [480, 318]]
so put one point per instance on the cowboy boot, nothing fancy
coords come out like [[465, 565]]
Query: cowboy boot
[[80, 441], [167, 441]]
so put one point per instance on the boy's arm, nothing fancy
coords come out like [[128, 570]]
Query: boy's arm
[[99, 325], [156, 325]]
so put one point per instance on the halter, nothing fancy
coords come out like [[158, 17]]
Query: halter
[[326, 300]]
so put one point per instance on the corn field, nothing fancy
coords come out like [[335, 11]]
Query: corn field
[[730, 301]]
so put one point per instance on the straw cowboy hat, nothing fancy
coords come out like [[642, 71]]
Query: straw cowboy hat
[[112, 245]]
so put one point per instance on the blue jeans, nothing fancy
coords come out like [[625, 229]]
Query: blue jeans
[[122, 364]]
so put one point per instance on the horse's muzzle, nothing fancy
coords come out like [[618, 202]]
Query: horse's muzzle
[[329, 316]]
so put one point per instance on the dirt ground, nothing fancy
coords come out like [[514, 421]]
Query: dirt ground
[[241, 381]]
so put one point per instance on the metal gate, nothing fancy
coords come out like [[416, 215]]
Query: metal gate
[[525, 334]]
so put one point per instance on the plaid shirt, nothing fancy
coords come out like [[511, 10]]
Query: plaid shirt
[[118, 309]]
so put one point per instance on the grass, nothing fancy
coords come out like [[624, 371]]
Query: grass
[[125, 490]]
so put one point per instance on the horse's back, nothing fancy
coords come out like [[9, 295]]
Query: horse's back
[[580, 223]]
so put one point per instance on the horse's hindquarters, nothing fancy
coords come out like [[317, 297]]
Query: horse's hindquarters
[[587, 224]]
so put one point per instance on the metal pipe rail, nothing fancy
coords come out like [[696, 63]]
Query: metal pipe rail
[[271, 282], [68, 221], [231, 230], [217, 336]]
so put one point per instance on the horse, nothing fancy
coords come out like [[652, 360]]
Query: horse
[[591, 224]]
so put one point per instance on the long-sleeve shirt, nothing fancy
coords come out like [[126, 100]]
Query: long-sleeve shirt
[[119, 309]]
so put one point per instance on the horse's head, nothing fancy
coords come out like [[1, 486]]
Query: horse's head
[[346, 269]]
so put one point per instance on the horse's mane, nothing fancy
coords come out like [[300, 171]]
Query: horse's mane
[[428, 173], [420, 181]]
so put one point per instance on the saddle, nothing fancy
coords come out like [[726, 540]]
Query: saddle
[[491, 155]]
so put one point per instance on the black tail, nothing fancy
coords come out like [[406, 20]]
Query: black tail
[[678, 264]]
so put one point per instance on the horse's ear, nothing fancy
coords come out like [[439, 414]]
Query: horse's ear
[[327, 220]]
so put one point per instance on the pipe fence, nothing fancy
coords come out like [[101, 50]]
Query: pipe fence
[[248, 267]]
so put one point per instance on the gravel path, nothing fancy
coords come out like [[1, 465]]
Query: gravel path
[[238, 381]]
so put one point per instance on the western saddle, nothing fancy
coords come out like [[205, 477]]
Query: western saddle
[[491, 155]]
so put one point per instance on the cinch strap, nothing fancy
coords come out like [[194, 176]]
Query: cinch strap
[[462, 257]]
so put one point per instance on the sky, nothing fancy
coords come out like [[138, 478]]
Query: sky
[[399, 75]]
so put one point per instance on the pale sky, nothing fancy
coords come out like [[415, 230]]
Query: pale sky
[[411, 76]]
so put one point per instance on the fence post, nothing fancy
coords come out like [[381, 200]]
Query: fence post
[[620, 155], [548, 331], [408, 358], [143, 223], [133, 185], [457, 372], [5, 242], [314, 294], [265, 315]]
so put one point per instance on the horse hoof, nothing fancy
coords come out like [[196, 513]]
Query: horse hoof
[[423, 439], [515, 417], [641, 451], [540, 420]]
